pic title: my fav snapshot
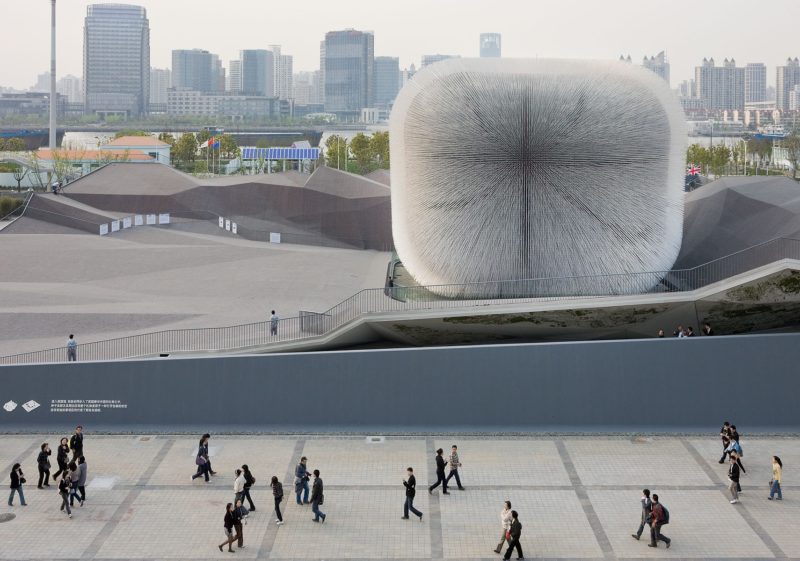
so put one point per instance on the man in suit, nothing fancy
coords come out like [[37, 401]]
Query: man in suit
[[647, 509], [317, 498], [514, 534], [411, 491], [440, 478], [76, 443]]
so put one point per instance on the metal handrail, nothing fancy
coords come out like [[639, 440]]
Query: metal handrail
[[417, 298]]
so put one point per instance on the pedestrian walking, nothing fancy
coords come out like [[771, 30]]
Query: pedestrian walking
[[513, 536], [230, 537], [238, 485], [647, 510], [74, 476], [738, 458], [505, 525], [83, 471], [76, 443], [455, 463], [62, 457], [277, 495], [204, 444], [301, 481], [202, 461], [410, 483], [72, 349], [317, 498], [43, 463], [440, 479], [273, 323], [659, 517], [725, 436], [775, 483], [249, 481], [733, 480], [239, 520], [17, 482], [64, 486]]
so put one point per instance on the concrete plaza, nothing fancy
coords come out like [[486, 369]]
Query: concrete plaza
[[578, 498]]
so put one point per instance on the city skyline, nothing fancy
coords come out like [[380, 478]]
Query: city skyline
[[603, 32]]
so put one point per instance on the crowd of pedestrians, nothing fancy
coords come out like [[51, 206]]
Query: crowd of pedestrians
[[681, 332]]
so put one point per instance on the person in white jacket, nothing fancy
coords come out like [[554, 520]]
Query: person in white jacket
[[238, 486], [505, 522]]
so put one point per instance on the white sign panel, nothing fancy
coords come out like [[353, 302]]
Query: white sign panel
[[163, 218], [127, 222], [115, 226], [233, 227], [103, 229], [221, 222], [228, 225], [151, 219], [274, 237], [138, 220]]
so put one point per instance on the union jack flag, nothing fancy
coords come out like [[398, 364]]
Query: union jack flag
[[693, 170]]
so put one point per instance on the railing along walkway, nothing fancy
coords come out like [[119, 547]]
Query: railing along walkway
[[402, 299]]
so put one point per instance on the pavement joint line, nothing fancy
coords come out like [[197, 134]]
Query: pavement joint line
[[586, 503], [740, 508], [268, 541], [28, 452], [97, 543], [434, 508]]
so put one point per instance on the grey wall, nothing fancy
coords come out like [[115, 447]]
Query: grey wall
[[652, 385]]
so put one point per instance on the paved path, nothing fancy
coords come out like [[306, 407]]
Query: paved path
[[577, 498]]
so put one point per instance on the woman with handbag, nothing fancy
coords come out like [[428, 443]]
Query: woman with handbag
[[62, 457], [277, 495], [505, 523], [775, 484], [201, 460], [17, 480]]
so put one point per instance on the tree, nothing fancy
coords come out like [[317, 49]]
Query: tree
[[130, 132], [698, 156], [362, 151], [720, 155], [336, 152], [185, 149], [379, 144], [167, 137], [761, 149], [19, 174], [13, 145], [792, 145], [228, 146]]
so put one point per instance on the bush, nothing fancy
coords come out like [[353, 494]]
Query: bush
[[9, 204]]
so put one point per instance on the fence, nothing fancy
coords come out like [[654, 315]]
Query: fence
[[417, 298]]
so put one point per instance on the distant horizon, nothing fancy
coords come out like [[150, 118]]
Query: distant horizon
[[687, 31]]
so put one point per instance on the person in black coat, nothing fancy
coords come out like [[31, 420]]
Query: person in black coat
[[411, 491], [515, 533], [43, 462], [17, 480], [440, 478], [249, 481], [76, 443], [228, 523], [64, 486], [317, 498], [62, 457], [202, 461]]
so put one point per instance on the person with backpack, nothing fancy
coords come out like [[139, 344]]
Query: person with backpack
[[514, 534], [277, 495], [317, 498], [647, 509], [733, 480], [440, 478], [76, 443], [249, 481], [62, 457], [775, 484], [17, 481], [230, 537], [658, 518], [64, 485], [43, 463]]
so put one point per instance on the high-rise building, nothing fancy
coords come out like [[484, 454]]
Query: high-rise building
[[490, 45], [755, 82], [658, 64], [349, 66], [720, 87], [160, 82], [196, 69], [787, 78], [258, 72], [686, 88], [430, 59], [794, 98], [234, 82], [283, 74], [406, 74], [70, 87], [116, 60], [306, 88], [42, 83], [321, 81], [387, 80]]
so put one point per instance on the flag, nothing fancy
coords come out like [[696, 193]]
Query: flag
[[214, 143], [205, 144], [693, 170]]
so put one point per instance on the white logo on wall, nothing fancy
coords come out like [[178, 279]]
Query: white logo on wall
[[29, 406], [10, 406]]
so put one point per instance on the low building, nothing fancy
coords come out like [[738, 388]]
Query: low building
[[144, 144], [202, 104]]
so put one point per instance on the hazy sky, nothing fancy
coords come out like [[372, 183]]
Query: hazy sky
[[748, 30]]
